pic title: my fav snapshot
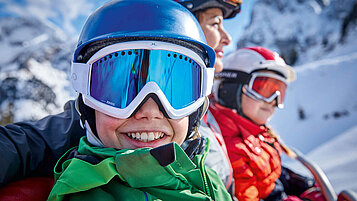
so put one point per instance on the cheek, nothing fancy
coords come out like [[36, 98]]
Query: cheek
[[249, 107], [106, 128], [252, 109], [104, 123], [180, 128], [212, 37]]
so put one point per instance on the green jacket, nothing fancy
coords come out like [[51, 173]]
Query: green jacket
[[135, 175]]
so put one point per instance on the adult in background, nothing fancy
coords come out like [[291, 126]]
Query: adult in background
[[210, 14]]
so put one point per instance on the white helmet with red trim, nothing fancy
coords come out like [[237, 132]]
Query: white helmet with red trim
[[250, 59], [242, 67]]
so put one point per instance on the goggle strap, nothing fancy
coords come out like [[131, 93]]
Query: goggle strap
[[234, 76], [91, 137], [79, 77], [205, 107]]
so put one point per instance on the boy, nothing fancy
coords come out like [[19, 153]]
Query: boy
[[143, 83]]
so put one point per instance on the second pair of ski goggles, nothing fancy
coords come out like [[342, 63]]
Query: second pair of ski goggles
[[236, 3], [261, 86], [267, 87], [118, 77], [230, 7]]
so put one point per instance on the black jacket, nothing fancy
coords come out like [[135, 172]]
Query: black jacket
[[24, 145]]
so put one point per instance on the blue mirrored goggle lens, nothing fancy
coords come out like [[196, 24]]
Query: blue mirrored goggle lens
[[116, 79]]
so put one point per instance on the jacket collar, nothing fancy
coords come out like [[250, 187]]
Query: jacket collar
[[226, 116]]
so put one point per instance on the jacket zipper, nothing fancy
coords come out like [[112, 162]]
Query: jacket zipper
[[203, 171]]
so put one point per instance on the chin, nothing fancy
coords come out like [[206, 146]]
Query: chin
[[261, 121], [268, 119], [218, 66]]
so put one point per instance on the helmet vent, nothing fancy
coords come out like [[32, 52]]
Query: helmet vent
[[79, 58], [189, 6]]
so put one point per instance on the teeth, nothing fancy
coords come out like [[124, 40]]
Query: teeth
[[146, 136], [151, 136]]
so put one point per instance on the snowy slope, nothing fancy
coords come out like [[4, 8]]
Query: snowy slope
[[338, 159], [325, 92]]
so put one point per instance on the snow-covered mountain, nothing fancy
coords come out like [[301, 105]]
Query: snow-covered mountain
[[301, 30], [34, 61]]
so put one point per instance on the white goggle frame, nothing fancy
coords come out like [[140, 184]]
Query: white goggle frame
[[81, 77], [253, 94]]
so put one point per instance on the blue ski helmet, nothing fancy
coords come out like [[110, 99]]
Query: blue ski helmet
[[133, 20], [126, 20]]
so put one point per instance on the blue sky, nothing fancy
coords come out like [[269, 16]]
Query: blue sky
[[236, 25], [70, 15]]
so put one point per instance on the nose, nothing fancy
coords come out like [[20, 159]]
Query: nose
[[274, 103], [226, 38], [149, 110]]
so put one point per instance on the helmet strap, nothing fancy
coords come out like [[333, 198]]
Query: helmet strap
[[239, 100], [87, 115], [93, 139], [194, 121], [193, 147]]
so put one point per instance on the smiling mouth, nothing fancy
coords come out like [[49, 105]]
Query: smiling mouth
[[219, 53], [145, 136], [266, 109]]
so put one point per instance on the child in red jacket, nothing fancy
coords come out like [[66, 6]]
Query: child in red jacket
[[247, 92]]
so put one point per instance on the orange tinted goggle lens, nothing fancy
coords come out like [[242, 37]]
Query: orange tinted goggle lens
[[267, 86], [233, 2]]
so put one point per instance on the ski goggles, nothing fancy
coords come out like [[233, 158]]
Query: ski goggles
[[267, 87], [231, 6], [235, 3], [117, 78]]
